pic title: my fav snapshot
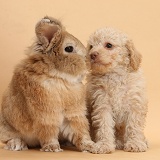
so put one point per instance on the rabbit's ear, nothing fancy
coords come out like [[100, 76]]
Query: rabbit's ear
[[134, 56], [48, 31]]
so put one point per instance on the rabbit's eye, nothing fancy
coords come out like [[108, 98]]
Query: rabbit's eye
[[69, 49]]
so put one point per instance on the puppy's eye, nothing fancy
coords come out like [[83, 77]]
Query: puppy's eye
[[108, 45], [69, 49]]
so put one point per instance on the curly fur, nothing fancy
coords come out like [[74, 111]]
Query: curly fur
[[116, 92], [45, 101]]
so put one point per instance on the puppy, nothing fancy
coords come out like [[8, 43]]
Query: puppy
[[45, 100], [116, 92]]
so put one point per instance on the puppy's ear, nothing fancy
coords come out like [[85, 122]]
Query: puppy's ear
[[134, 56], [48, 31]]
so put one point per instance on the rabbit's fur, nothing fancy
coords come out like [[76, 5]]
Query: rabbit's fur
[[45, 100]]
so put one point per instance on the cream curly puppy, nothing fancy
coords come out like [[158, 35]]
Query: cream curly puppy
[[116, 92]]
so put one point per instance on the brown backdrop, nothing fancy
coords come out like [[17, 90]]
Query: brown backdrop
[[139, 18]]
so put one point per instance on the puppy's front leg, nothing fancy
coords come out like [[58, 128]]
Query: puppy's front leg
[[134, 138], [79, 133], [103, 126]]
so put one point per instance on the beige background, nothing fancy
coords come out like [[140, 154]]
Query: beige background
[[139, 18]]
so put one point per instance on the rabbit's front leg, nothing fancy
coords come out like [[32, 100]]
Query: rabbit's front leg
[[48, 137], [47, 127]]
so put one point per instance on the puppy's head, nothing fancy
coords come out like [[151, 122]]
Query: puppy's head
[[63, 51], [111, 50]]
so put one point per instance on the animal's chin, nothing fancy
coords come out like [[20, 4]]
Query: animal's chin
[[100, 63], [100, 68]]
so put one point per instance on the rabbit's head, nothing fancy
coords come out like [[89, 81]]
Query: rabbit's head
[[64, 54]]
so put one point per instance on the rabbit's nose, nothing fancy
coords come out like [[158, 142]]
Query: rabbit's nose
[[94, 55]]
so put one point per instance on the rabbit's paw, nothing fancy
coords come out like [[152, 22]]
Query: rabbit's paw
[[16, 144], [51, 148]]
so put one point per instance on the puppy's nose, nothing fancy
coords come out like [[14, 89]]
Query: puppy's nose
[[94, 55]]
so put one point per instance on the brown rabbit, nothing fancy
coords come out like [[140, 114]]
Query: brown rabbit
[[45, 101]]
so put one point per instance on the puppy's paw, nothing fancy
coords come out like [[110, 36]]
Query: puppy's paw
[[51, 148], [135, 146], [16, 145], [103, 148], [85, 146]]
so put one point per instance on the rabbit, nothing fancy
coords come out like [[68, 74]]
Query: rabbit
[[45, 100]]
